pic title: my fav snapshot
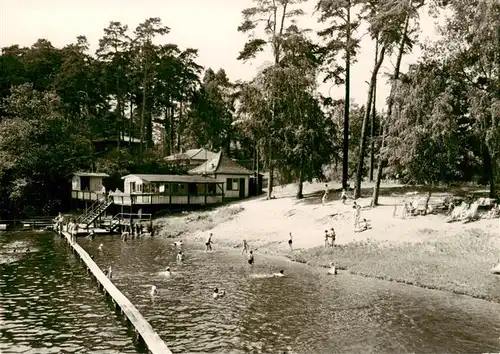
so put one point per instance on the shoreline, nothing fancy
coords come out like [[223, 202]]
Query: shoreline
[[422, 251]]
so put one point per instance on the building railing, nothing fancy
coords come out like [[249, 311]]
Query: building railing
[[165, 198], [86, 195]]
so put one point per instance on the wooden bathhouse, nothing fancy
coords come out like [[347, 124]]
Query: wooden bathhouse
[[190, 158], [144, 189], [234, 177], [87, 185]]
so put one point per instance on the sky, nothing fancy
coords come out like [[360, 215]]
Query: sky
[[207, 25]]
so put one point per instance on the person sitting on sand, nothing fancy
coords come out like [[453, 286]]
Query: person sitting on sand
[[250, 258], [280, 274], [209, 242], [180, 256], [362, 226], [245, 247], [325, 195], [343, 196]]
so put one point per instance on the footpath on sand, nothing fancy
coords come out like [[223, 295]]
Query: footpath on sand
[[422, 250]]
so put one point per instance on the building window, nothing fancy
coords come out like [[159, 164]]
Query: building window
[[232, 184]]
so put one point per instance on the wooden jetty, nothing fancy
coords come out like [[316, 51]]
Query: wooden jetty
[[143, 330]]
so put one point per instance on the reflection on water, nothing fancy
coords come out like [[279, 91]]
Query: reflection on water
[[306, 311], [48, 303]]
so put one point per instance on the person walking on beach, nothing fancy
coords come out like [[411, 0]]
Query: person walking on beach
[[325, 195], [209, 242], [245, 247], [327, 238], [356, 213], [290, 242], [343, 196], [332, 236], [250, 258]]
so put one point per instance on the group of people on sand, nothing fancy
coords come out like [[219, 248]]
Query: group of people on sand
[[359, 224]]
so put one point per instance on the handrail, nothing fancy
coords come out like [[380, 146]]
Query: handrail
[[94, 207]]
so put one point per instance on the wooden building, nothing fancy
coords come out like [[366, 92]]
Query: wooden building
[[144, 189], [234, 177], [87, 185], [190, 158]]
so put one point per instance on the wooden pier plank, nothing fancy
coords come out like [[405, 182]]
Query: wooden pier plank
[[152, 340]]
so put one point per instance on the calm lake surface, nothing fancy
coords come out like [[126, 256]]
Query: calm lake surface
[[50, 305], [306, 311]]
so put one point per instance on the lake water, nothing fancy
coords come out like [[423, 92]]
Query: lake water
[[50, 305], [307, 311]]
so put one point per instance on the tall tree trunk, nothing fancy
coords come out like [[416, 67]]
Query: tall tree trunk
[[381, 157], [362, 143], [166, 141], [119, 104], [130, 123], [179, 126], [171, 134], [257, 167], [372, 120], [345, 154], [143, 108], [300, 187]]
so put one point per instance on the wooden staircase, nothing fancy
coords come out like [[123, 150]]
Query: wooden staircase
[[94, 211]]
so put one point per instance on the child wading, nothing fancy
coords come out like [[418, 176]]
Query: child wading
[[245, 247], [250, 258], [209, 243]]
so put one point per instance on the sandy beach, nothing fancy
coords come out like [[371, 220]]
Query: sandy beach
[[421, 250]]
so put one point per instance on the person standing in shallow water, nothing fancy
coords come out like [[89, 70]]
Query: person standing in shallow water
[[250, 258], [245, 247], [209, 242], [290, 242]]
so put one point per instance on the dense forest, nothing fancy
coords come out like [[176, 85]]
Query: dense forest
[[440, 123]]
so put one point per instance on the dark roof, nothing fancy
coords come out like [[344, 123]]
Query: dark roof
[[192, 154], [220, 164], [173, 178], [90, 174]]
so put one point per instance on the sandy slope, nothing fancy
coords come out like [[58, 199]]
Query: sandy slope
[[266, 223]]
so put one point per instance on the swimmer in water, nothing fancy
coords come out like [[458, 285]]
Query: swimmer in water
[[167, 272], [180, 256], [333, 269], [178, 243], [280, 274], [217, 294], [153, 290], [250, 258]]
